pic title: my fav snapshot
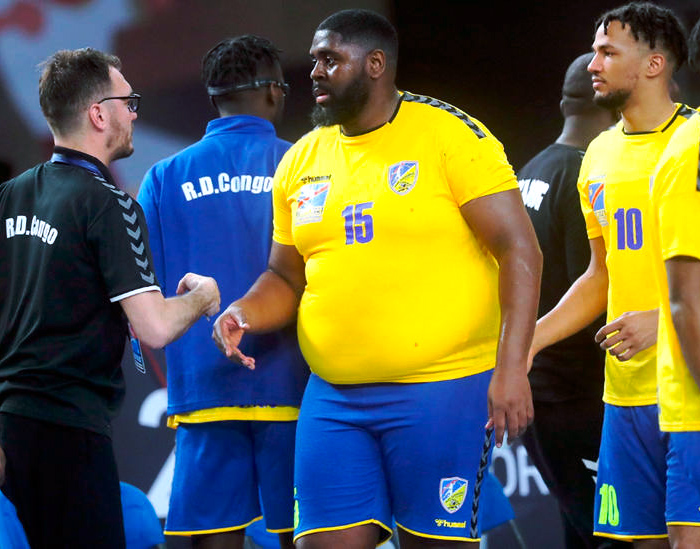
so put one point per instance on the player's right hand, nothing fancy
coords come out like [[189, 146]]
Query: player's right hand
[[228, 332], [206, 286]]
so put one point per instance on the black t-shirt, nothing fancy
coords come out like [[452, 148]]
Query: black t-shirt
[[573, 367], [72, 245]]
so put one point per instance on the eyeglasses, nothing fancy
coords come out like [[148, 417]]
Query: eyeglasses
[[255, 84], [132, 100]]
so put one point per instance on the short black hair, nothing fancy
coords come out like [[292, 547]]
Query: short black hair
[[238, 60], [366, 28], [70, 81], [694, 48], [653, 24]]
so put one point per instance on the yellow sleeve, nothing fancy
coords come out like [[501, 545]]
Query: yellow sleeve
[[592, 225], [475, 166], [281, 202], [677, 197]]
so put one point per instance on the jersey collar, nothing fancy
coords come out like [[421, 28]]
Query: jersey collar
[[64, 155]]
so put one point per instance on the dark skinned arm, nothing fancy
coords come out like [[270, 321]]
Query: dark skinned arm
[[683, 275], [501, 223]]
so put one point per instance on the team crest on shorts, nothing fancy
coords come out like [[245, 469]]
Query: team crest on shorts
[[596, 196], [453, 491], [311, 202], [403, 176]]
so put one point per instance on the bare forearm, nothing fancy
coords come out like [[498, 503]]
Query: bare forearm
[[270, 304], [178, 314], [519, 284], [585, 301], [683, 281], [158, 321], [686, 321]]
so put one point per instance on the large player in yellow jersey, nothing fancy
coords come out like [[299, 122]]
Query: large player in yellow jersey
[[636, 49], [676, 207], [402, 243]]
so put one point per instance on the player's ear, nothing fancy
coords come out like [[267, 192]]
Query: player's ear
[[376, 63], [656, 63], [98, 116]]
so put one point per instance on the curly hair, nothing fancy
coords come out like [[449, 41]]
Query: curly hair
[[239, 60], [70, 81], [653, 24]]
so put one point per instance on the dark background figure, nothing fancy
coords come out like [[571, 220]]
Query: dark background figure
[[566, 378]]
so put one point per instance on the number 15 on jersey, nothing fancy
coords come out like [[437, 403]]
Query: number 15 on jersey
[[359, 226]]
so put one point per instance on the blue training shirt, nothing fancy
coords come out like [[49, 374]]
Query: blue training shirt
[[209, 211]]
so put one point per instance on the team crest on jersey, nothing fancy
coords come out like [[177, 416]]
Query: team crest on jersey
[[453, 492], [403, 176], [311, 202], [596, 196]]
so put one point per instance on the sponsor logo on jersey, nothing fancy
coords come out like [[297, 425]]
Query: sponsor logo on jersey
[[311, 202], [596, 196], [403, 176], [453, 491]]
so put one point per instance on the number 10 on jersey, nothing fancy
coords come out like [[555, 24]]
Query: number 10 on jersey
[[359, 226], [629, 229]]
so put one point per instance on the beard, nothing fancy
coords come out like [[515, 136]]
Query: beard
[[614, 100], [121, 141], [343, 106]]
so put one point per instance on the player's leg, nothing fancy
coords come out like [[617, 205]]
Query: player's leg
[[64, 484], [215, 489], [684, 537], [683, 489], [274, 463], [365, 536], [341, 497], [563, 442], [436, 452], [287, 540], [235, 539], [631, 484]]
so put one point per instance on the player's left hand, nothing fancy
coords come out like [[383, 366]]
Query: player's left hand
[[509, 404], [629, 333]]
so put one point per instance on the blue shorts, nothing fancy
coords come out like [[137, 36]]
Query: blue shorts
[[224, 469], [417, 451], [683, 484], [630, 496]]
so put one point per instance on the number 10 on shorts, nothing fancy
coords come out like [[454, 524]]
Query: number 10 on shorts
[[609, 513]]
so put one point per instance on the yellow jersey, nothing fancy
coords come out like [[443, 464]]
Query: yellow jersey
[[398, 288], [614, 190], [676, 205]]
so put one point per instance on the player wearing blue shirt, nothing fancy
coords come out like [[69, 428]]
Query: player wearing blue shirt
[[242, 422]]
